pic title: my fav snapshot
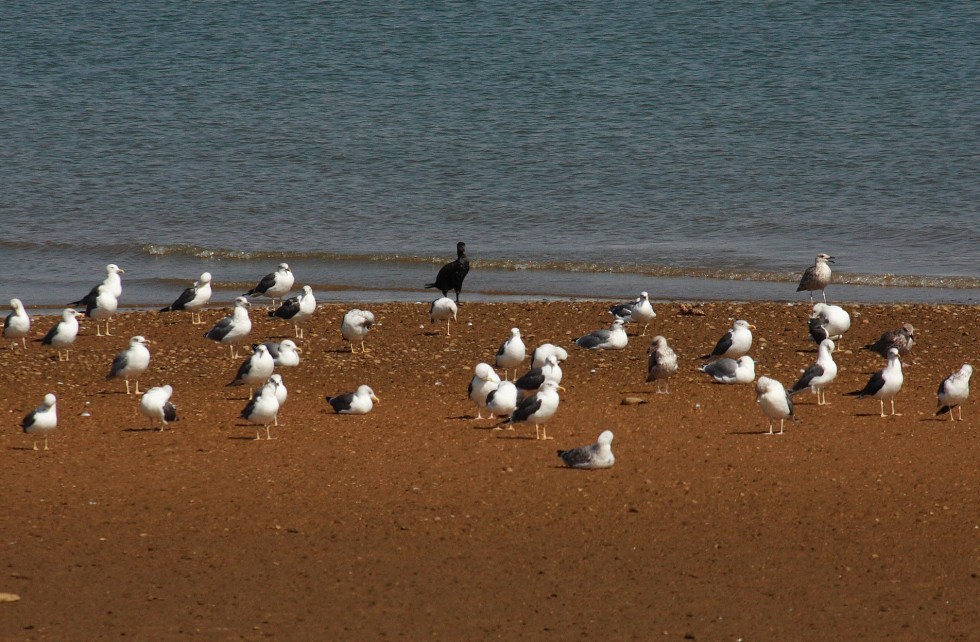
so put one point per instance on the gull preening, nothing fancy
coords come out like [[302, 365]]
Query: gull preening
[[359, 402], [502, 401], [954, 391], [451, 275], [727, 370], [818, 376], [155, 405], [638, 311], [734, 343], [275, 284], [17, 324], [442, 309], [64, 333], [42, 421], [297, 309], [545, 350], [661, 363], [232, 329], [531, 381], [537, 409], [511, 353], [774, 401], [131, 362], [484, 381], [817, 276], [828, 322], [598, 455], [193, 298], [285, 354], [356, 325], [900, 339], [612, 339], [884, 384]]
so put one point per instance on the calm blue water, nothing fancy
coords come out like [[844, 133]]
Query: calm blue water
[[695, 150]]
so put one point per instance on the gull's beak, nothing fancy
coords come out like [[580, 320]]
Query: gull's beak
[[375, 399], [751, 327], [122, 271], [562, 389], [830, 260], [298, 349]]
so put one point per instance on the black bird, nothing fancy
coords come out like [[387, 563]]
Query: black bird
[[451, 274]]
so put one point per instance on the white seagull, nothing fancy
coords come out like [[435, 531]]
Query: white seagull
[[537, 409], [638, 311], [279, 388], [885, 383], [359, 402], [598, 455], [17, 324], [232, 329], [63, 333], [356, 325], [829, 322], [661, 363], [275, 284], [285, 354], [544, 351], [774, 400], [155, 405], [612, 339], [256, 369], [112, 281], [817, 276], [42, 421], [193, 298], [102, 307], [262, 410], [511, 353], [131, 362], [734, 343], [954, 391], [818, 376], [532, 380], [484, 381], [728, 370], [297, 309], [502, 401], [442, 309]]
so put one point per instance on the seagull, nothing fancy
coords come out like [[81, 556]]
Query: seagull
[[484, 381], [234, 328], [284, 354], [829, 322], [598, 455], [511, 353], [131, 362], [820, 375], [42, 421], [155, 404], [638, 311], [297, 309], [274, 284], [954, 390], [612, 339], [256, 369], [727, 370], [359, 402], [451, 274], [103, 306], [817, 277], [537, 409], [502, 401], [279, 388], [734, 343], [193, 298], [902, 339], [531, 382], [262, 410], [111, 281], [662, 363], [63, 333], [774, 400], [442, 309], [545, 350], [356, 325], [17, 324], [885, 383]]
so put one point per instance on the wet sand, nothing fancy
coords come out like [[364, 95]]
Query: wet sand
[[417, 521]]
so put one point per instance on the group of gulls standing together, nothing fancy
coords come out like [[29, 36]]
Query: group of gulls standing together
[[532, 398]]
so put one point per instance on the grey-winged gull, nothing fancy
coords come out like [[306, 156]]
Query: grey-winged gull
[[232, 329], [612, 339], [42, 421], [131, 362], [829, 322], [734, 343], [725, 370], [359, 402], [17, 324], [537, 409], [285, 354], [774, 401], [193, 298], [638, 311], [954, 391], [451, 275], [443, 309], [820, 375], [155, 405], [356, 325], [661, 363], [64, 333], [884, 384], [484, 381], [297, 309], [817, 276], [598, 455], [275, 284]]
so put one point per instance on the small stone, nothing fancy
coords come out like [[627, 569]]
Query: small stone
[[632, 401], [9, 597]]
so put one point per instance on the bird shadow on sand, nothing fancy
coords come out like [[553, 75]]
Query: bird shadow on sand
[[874, 414], [942, 419], [764, 431], [22, 448], [137, 429], [507, 434]]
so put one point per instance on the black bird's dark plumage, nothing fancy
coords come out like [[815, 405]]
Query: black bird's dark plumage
[[169, 412], [818, 329], [531, 381], [52, 333], [804, 381], [341, 402], [88, 300], [451, 275], [527, 407], [875, 383], [185, 297], [724, 343], [288, 309]]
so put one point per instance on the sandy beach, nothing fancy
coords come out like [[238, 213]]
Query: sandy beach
[[418, 521]]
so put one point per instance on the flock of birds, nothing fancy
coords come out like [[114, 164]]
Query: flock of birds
[[532, 398]]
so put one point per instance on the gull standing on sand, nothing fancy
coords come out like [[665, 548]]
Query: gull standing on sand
[[193, 298], [155, 405], [511, 353], [885, 383], [638, 311], [451, 275], [537, 409], [484, 381], [598, 455], [279, 388], [734, 343], [612, 339], [727, 370], [661, 363], [545, 350], [131, 362], [817, 276], [531, 381], [232, 329], [256, 369], [17, 324], [285, 354], [442, 309], [774, 400], [502, 401], [954, 391], [42, 421], [820, 375], [356, 325], [901, 339], [297, 309], [63, 333], [262, 409], [103, 306], [274, 284], [829, 322], [359, 402]]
